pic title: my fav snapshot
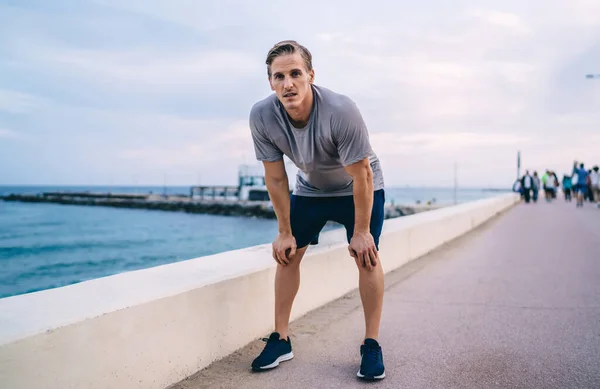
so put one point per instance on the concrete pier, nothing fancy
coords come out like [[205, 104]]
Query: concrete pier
[[153, 202], [181, 203]]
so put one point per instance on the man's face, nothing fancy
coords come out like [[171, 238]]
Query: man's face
[[290, 80]]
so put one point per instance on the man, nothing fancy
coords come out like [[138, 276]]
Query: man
[[527, 185], [581, 186], [566, 187], [556, 184], [536, 186], [589, 192], [518, 188], [339, 179], [548, 183], [595, 181]]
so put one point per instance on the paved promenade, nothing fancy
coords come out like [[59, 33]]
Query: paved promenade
[[514, 304]]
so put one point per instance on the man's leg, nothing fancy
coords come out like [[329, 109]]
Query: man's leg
[[287, 282], [306, 222], [279, 347], [371, 283], [371, 286]]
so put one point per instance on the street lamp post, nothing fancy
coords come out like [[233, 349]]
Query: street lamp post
[[593, 77], [518, 164]]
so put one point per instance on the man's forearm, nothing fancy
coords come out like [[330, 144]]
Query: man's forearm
[[363, 200], [279, 193]]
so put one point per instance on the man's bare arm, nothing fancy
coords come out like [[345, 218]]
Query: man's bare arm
[[278, 187], [362, 245], [363, 194]]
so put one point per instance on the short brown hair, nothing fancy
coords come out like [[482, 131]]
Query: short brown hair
[[288, 47]]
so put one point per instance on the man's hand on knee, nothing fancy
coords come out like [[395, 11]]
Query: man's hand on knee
[[362, 248], [284, 248]]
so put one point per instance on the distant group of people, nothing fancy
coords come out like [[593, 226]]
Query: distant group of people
[[581, 183]]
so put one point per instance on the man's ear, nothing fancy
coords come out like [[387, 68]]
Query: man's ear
[[312, 76], [271, 84]]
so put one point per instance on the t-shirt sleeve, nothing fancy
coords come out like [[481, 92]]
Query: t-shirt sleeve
[[264, 148], [350, 134]]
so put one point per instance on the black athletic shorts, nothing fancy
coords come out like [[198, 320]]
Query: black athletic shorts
[[309, 214]]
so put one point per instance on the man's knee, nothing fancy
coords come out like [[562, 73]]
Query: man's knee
[[295, 259]]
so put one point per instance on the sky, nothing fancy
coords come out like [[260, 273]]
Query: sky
[[149, 92]]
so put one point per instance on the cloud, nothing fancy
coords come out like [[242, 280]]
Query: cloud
[[228, 141], [146, 87], [506, 20], [8, 134], [14, 102], [152, 68], [419, 143]]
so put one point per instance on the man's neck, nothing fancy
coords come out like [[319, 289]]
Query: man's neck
[[300, 116]]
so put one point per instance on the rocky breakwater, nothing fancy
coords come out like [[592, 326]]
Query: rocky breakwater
[[260, 209]]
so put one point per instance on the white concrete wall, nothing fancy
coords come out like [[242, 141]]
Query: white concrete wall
[[153, 327]]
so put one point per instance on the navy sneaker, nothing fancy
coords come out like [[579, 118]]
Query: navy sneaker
[[276, 350], [371, 364]]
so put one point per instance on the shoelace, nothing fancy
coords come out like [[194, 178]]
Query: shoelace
[[372, 354], [270, 345]]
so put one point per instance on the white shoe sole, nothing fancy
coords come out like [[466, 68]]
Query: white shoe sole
[[282, 358], [377, 377]]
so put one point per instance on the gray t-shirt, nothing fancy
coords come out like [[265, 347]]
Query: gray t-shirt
[[335, 136]]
